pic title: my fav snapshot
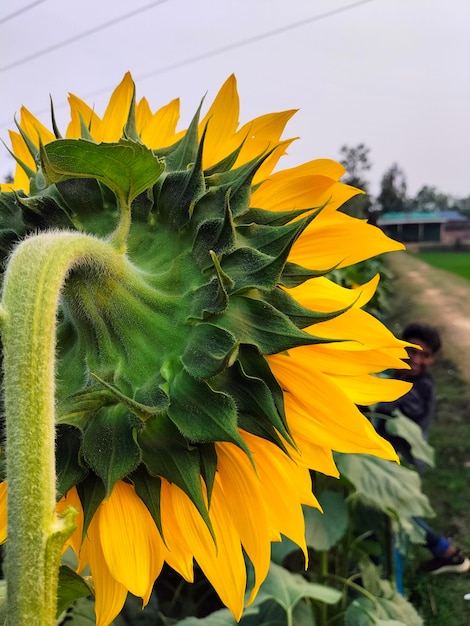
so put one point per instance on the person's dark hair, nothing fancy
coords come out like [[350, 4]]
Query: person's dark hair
[[429, 335]]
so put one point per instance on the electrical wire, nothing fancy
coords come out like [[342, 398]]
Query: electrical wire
[[86, 33], [9, 17]]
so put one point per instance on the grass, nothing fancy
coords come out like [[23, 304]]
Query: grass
[[439, 599], [456, 262]]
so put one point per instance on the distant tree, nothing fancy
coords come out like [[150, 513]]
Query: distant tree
[[430, 199], [392, 197], [356, 162]]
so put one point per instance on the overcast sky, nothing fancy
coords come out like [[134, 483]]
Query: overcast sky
[[393, 74]]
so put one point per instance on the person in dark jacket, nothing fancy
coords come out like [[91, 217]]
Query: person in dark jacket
[[418, 405]]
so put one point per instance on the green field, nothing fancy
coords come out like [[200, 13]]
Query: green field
[[455, 262]]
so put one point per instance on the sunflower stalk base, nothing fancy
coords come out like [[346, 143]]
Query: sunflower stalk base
[[36, 533]]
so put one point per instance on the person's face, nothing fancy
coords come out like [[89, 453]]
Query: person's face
[[419, 360]]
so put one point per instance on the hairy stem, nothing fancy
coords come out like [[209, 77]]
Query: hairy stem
[[34, 278]]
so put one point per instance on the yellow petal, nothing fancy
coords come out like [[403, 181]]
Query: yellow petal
[[160, 130], [124, 534], [369, 389], [177, 553], [35, 130], [318, 395], [223, 564], [261, 134], [115, 116], [110, 594], [222, 122], [293, 488], [322, 294], [285, 191], [81, 110], [335, 239], [311, 455], [244, 501]]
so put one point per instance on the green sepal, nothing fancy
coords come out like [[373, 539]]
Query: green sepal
[[55, 128], [91, 492], [126, 167], [238, 183], [208, 466], [272, 240], [140, 410], [69, 469], [77, 409], [213, 226], [177, 191], [261, 262], [201, 413], [257, 323], [299, 315], [130, 129], [32, 148], [257, 412], [293, 275], [84, 201], [148, 488], [109, 445], [42, 212], [184, 152], [250, 268], [208, 351], [269, 218], [165, 453], [208, 300]]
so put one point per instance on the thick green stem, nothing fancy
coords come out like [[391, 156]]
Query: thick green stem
[[33, 282]]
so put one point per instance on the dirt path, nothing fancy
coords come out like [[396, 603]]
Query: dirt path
[[439, 298]]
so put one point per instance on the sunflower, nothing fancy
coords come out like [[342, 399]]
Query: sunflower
[[206, 372]]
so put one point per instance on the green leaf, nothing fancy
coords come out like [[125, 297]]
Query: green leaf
[[385, 485], [324, 530], [288, 589], [127, 167], [222, 617], [81, 614], [402, 426], [71, 587], [389, 608], [109, 445]]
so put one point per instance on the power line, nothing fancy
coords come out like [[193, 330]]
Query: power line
[[254, 39], [217, 51], [86, 33], [240, 44], [20, 11]]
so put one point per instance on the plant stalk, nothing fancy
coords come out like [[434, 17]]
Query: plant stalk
[[34, 278]]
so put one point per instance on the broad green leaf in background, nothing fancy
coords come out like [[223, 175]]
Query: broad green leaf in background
[[324, 530], [385, 485], [404, 427], [389, 608], [287, 589], [71, 587]]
